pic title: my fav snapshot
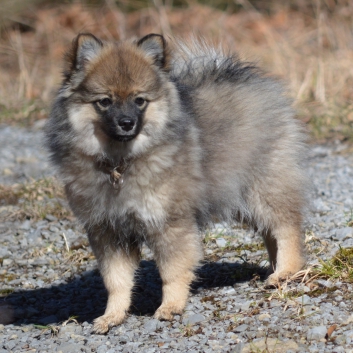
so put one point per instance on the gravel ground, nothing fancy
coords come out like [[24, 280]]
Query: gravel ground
[[50, 289]]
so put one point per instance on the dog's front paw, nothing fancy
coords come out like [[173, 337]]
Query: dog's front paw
[[167, 312], [103, 323]]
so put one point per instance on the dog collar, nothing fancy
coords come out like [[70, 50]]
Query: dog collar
[[116, 173]]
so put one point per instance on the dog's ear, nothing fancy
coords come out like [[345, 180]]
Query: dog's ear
[[156, 48], [85, 47]]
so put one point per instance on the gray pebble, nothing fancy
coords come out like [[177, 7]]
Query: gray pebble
[[151, 325], [7, 262], [241, 328], [51, 218], [304, 300], [316, 333], [343, 233], [68, 347], [221, 242], [193, 319], [26, 225]]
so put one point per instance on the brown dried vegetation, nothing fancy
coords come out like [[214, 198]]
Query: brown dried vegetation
[[309, 44], [33, 200]]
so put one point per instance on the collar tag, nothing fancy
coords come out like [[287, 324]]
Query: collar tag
[[116, 174], [116, 178]]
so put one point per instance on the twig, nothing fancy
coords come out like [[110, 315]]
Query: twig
[[66, 243]]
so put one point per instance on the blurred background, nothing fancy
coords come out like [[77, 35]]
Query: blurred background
[[308, 43]]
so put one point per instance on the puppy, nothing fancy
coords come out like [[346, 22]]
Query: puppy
[[153, 142]]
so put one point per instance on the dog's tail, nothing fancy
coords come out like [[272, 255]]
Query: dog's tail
[[196, 61]]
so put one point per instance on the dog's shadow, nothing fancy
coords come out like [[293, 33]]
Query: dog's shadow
[[84, 298]]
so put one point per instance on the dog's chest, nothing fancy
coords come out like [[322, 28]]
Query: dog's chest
[[142, 191]]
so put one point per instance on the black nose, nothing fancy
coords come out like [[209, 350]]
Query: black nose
[[126, 124]]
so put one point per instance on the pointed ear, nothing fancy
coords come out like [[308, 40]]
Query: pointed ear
[[85, 47], [155, 47]]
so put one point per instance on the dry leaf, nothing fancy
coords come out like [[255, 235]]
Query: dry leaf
[[330, 331]]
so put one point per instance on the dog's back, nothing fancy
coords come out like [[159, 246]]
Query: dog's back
[[252, 145]]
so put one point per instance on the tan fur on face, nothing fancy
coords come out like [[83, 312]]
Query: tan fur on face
[[121, 71]]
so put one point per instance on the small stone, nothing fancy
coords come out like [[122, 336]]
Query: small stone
[[111, 350], [316, 333], [325, 283], [4, 251], [306, 289], [347, 243], [264, 263], [7, 172], [51, 218], [77, 337], [241, 328], [229, 291], [102, 349], [321, 206], [193, 319], [151, 325], [54, 229], [221, 242], [246, 305], [343, 233], [349, 320], [270, 345], [264, 317], [67, 330], [10, 345], [238, 348], [304, 300], [34, 236], [349, 336], [26, 225], [341, 339], [7, 262], [26, 328], [69, 347]]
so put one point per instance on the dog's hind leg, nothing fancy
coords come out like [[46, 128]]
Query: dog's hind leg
[[278, 212], [177, 253], [285, 246]]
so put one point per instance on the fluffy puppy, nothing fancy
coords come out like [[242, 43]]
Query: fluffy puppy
[[152, 143]]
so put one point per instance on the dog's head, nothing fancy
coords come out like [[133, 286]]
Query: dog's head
[[117, 90]]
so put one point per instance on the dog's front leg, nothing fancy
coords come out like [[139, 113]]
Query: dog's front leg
[[177, 253], [117, 266]]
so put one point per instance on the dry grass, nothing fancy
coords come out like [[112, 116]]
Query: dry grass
[[308, 45], [338, 268], [33, 200]]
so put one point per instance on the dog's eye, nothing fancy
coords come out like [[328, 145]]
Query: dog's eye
[[105, 102], [139, 101]]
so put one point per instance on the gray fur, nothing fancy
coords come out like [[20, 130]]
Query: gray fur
[[219, 141]]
